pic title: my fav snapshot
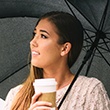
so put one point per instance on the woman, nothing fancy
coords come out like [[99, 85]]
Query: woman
[[56, 45]]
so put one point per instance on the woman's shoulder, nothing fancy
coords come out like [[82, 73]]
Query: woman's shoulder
[[90, 84], [88, 80], [16, 88], [13, 92], [10, 96]]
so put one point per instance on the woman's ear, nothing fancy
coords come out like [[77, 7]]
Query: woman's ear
[[65, 48]]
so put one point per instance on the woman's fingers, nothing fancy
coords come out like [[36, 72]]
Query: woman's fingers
[[43, 108], [41, 105], [44, 103], [35, 97]]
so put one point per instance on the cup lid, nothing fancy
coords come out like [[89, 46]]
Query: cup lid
[[46, 81]]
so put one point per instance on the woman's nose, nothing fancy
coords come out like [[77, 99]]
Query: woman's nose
[[33, 42]]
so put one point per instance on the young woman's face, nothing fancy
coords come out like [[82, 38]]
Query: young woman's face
[[45, 51]]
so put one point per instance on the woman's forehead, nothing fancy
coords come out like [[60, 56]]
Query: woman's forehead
[[46, 25]]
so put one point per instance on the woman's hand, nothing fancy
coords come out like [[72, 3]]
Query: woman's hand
[[39, 105]]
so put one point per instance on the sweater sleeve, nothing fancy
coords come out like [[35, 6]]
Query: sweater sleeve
[[10, 96], [9, 99], [98, 98]]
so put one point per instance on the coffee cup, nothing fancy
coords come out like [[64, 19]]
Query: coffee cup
[[48, 89]]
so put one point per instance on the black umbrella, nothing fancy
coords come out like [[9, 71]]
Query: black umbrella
[[94, 15]]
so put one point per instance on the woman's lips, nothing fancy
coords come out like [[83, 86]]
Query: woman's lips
[[35, 53]]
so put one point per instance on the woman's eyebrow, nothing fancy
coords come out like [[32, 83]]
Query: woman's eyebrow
[[44, 31]]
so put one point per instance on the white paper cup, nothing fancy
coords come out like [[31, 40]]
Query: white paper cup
[[48, 88]]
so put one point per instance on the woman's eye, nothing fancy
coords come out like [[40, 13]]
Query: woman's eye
[[34, 34], [43, 36]]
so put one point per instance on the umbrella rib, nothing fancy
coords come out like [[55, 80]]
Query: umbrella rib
[[69, 7], [66, 1], [106, 45], [89, 30], [107, 38], [6, 77], [103, 16], [89, 65], [92, 42], [98, 47], [86, 46], [103, 56], [106, 42], [99, 51], [86, 39], [107, 32], [104, 49]]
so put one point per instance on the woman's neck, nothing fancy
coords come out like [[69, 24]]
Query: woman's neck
[[64, 80], [62, 76]]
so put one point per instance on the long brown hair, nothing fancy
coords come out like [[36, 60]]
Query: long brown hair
[[70, 30], [23, 98]]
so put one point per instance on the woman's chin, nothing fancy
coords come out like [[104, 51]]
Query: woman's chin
[[35, 63]]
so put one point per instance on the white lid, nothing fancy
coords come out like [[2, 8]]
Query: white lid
[[45, 85], [43, 82]]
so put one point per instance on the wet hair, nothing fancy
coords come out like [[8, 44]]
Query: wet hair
[[69, 29]]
